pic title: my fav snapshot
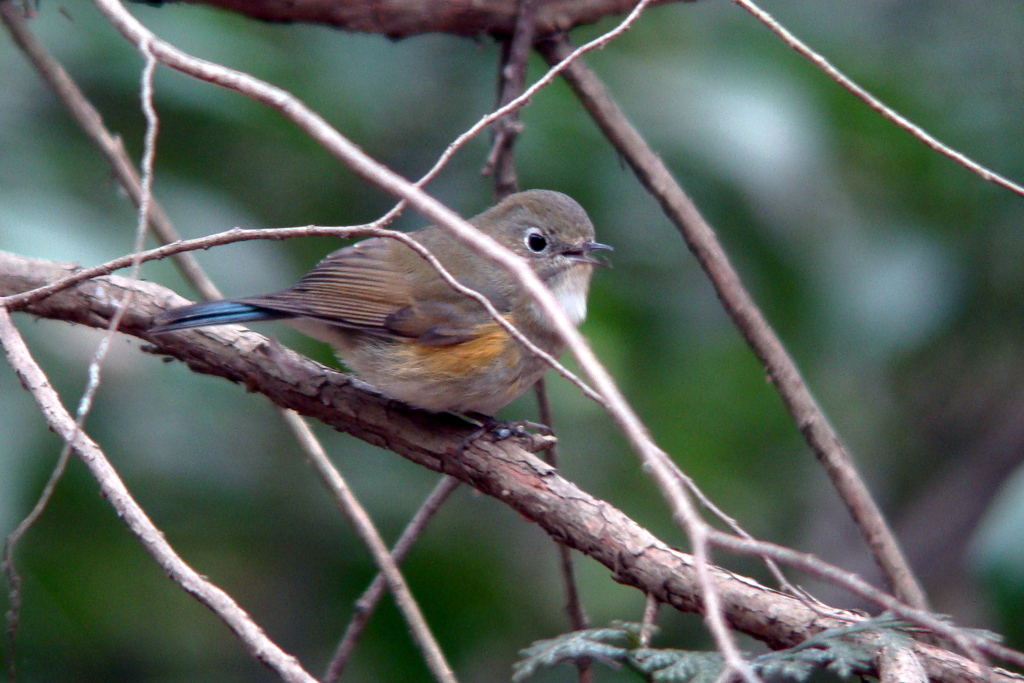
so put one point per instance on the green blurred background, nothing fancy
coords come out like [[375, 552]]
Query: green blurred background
[[893, 275]]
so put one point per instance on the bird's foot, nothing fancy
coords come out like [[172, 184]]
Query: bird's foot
[[533, 436]]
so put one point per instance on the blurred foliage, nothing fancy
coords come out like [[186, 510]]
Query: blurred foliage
[[893, 275], [836, 650]]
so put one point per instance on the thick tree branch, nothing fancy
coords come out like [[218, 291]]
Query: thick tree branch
[[402, 18], [502, 470]]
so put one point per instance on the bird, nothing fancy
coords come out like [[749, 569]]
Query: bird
[[398, 325]]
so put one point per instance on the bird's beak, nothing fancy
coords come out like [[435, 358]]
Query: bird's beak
[[582, 255]]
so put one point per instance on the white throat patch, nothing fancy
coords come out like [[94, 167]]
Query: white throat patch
[[570, 289]]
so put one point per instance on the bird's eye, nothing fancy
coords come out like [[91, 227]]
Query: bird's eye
[[535, 240]]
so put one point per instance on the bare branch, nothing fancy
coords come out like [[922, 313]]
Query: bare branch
[[371, 538], [114, 490], [20, 299], [96, 364], [518, 102], [811, 564], [651, 609], [367, 602], [876, 104], [731, 522], [781, 370], [10, 570], [713, 609]]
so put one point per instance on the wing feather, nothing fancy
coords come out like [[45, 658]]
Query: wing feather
[[356, 287], [380, 286]]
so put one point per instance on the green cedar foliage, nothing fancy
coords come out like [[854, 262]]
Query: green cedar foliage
[[844, 651]]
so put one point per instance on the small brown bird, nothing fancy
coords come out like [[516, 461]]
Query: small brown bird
[[397, 324]]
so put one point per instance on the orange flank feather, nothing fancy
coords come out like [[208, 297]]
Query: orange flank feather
[[489, 342]]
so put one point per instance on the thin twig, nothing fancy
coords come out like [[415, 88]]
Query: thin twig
[[13, 577], [515, 104], [511, 80], [740, 306], [149, 536], [371, 538], [367, 602], [651, 608], [714, 615], [887, 112], [149, 155], [900, 665], [731, 522], [972, 646], [226, 237], [520, 101], [573, 605], [95, 365]]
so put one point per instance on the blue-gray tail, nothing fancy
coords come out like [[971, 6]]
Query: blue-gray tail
[[211, 313]]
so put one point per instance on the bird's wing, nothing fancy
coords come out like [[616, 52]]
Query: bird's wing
[[381, 288]]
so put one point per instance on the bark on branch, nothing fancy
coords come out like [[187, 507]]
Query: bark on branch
[[401, 18]]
